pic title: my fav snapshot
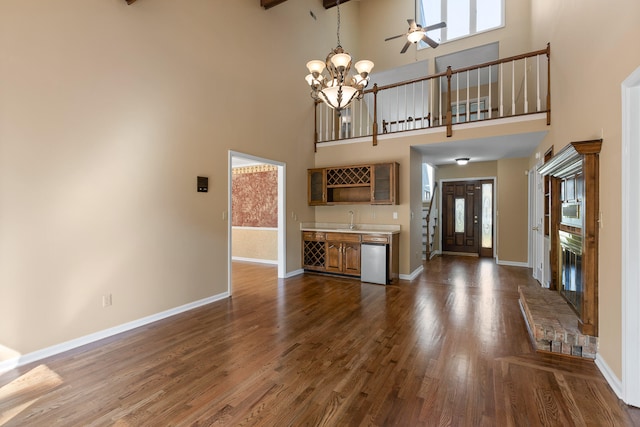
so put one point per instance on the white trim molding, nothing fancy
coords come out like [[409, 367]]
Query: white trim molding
[[106, 333], [512, 263], [294, 273], [256, 260], [612, 379], [630, 239], [413, 275]]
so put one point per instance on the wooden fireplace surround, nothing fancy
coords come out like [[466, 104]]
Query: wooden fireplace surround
[[577, 157]]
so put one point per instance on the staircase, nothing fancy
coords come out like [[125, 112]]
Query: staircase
[[430, 215]]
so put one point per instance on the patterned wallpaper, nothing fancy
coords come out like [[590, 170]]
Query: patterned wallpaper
[[254, 196]]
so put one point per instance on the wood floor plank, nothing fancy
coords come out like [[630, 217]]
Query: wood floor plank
[[448, 348]]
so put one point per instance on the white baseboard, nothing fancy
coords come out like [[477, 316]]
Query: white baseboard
[[512, 263], [413, 275], [294, 273], [87, 339], [261, 261], [612, 379]]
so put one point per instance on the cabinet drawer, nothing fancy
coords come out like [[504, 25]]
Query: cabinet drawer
[[343, 237], [313, 236], [375, 238]]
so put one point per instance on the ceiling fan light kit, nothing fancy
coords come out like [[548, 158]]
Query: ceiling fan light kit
[[414, 36], [331, 81]]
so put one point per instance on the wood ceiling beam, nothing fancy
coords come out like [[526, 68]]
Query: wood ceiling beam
[[268, 4], [328, 4]]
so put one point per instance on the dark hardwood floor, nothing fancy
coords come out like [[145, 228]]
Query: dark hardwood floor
[[450, 348]]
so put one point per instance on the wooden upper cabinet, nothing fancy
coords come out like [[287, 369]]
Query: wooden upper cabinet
[[316, 187], [355, 184], [384, 189]]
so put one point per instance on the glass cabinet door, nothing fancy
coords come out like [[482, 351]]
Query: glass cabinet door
[[317, 191], [384, 184]]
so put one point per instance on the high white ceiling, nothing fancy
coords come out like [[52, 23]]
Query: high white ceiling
[[481, 149]]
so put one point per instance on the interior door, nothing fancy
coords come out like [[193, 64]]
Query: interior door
[[460, 212]]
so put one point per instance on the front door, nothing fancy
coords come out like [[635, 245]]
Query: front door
[[467, 217]]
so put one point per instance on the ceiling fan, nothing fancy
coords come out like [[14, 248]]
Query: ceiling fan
[[416, 33]]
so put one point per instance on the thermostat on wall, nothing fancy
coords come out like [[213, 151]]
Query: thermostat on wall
[[203, 184]]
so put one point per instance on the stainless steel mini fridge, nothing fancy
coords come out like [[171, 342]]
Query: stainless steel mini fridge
[[373, 265]]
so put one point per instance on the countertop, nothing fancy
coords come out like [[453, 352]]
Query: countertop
[[344, 228]]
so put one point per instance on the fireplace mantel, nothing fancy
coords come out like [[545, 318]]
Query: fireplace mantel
[[577, 158]]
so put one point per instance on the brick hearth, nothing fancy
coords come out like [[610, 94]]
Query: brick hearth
[[553, 325]]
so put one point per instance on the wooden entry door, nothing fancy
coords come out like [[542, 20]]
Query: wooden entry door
[[465, 215]]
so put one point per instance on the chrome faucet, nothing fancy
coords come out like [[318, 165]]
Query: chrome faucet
[[352, 226]]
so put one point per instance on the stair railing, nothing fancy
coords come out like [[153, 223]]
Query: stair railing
[[430, 231], [509, 87]]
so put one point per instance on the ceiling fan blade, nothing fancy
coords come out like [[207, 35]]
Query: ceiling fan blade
[[395, 37], [406, 46], [412, 24], [429, 41], [435, 26]]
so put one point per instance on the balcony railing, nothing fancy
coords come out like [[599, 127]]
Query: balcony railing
[[509, 87]]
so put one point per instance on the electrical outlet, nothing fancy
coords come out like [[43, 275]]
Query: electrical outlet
[[395, 215], [106, 300]]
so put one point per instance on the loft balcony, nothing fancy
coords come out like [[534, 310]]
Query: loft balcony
[[502, 89]]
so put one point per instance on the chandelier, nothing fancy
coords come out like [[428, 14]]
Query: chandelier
[[336, 87]]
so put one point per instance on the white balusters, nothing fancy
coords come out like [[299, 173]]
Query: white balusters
[[478, 109], [490, 106], [538, 83], [430, 96], [467, 104], [513, 87], [457, 97], [426, 100], [360, 103], [424, 104], [501, 91], [440, 106], [413, 92], [526, 94]]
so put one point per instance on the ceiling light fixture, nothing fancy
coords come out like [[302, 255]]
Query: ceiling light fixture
[[337, 88], [462, 161]]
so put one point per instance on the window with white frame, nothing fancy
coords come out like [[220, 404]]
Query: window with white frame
[[463, 17]]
